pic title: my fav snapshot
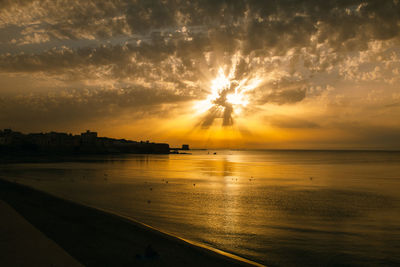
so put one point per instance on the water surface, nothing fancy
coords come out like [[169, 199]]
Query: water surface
[[285, 208]]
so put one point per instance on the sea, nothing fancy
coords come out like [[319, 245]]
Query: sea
[[277, 208]]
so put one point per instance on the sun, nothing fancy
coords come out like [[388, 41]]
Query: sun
[[227, 98]]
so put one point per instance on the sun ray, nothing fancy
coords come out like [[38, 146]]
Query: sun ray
[[228, 95]]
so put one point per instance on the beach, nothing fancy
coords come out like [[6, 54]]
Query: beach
[[93, 237]]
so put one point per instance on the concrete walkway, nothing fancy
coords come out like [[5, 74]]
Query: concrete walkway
[[21, 244]]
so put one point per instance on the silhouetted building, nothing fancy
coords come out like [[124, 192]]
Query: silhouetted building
[[88, 137], [8, 137], [185, 147], [87, 143]]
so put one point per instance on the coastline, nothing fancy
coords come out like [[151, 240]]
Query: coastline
[[97, 237]]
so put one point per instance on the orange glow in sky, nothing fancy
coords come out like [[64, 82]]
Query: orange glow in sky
[[210, 74]]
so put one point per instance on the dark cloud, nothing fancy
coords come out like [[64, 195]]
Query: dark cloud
[[378, 136], [393, 105], [252, 27], [260, 24], [367, 134], [73, 106], [284, 97], [291, 123], [283, 91]]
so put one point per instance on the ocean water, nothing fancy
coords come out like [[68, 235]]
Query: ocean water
[[278, 208]]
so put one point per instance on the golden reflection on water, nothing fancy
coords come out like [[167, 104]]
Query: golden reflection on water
[[256, 204]]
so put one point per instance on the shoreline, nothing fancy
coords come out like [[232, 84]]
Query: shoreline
[[105, 236], [173, 237]]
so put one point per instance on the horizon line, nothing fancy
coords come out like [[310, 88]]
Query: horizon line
[[305, 149]]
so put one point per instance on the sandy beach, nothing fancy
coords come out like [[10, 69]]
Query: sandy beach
[[96, 238]]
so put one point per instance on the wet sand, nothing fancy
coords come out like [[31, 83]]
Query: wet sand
[[97, 238]]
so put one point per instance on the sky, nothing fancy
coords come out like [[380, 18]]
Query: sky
[[282, 74]]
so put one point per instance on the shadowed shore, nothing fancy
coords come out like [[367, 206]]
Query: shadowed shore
[[97, 238]]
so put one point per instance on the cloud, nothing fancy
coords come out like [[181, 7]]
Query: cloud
[[79, 106], [291, 122], [281, 91], [171, 50], [260, 24], [284, 96]]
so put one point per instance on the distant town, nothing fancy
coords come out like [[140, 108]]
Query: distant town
[[85, 143]]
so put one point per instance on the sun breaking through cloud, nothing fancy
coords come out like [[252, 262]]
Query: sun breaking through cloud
[[266, 70], [227, 98]]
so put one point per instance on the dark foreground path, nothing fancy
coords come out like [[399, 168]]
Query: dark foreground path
[[97, 238], [22, 245]]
